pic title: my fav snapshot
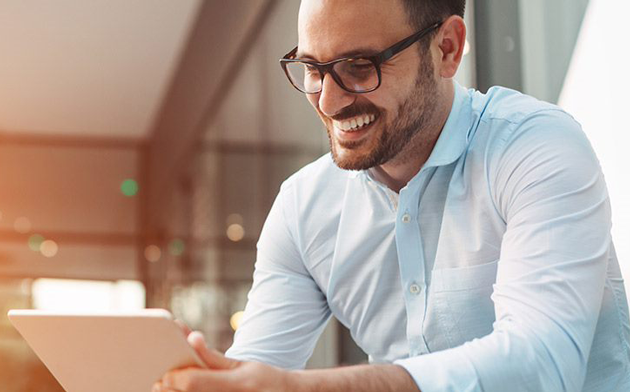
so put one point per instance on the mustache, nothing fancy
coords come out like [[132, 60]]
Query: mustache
[[356, 110]]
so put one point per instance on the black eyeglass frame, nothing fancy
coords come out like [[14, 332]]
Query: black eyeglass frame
[[377, 60]]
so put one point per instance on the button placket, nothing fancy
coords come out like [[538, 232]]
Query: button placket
[[411, 263], [406, 218]]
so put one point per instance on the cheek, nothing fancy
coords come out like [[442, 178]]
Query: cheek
[[385, 100]]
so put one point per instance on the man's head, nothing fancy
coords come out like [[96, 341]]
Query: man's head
[[413, 82], [423, 12]]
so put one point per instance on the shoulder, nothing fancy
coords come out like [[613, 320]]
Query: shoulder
[[504, 104], [532, 148], [513, 123]]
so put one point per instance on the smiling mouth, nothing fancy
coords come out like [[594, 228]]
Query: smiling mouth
[[354, 124]]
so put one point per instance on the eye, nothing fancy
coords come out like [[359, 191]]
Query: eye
[[310, 69], [361, 64], [358, 68]]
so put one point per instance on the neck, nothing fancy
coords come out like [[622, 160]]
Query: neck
[[397, 173]]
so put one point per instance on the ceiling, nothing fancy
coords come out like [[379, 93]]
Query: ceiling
[[97, 68]]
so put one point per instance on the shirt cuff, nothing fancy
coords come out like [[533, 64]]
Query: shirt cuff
[[442, 371]]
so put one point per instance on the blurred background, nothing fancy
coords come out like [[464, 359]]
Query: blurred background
[[142, 143]]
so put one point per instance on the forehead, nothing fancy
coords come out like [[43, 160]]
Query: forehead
[[328, 29]]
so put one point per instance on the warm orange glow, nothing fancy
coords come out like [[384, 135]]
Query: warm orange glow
[[235, 320], [235, 232], [152, 253], [49, 248], [22, 225]]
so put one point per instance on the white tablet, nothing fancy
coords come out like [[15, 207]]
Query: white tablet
[[106, 352]]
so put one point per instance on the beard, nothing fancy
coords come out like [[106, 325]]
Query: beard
[[412, 116]]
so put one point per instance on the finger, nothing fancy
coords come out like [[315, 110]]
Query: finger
[[184, 380], [159, 387], [212, 358], [183, 327]]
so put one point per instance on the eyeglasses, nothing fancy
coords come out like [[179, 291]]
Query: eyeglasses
[[361, 74]]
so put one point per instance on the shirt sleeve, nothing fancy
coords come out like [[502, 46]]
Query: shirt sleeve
[[548, 187], [286, 311]]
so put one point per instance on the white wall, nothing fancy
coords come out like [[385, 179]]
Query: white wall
[[596, 93]]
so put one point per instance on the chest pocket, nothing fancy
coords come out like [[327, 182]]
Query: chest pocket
[[459, 307]]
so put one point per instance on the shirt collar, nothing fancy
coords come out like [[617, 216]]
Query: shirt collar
[[454, 137]]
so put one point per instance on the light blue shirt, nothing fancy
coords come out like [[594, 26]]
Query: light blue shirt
[[492, 270]]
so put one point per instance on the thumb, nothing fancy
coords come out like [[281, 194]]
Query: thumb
[[212, 358]]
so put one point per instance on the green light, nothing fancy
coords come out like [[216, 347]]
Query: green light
[[129, 187], [35, 242], [177, 247]]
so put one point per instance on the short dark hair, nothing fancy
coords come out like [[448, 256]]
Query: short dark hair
[[422, 13]]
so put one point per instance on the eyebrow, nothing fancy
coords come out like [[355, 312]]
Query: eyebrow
[[348, 54]]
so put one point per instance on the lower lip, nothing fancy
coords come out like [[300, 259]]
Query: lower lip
[[353, 135]]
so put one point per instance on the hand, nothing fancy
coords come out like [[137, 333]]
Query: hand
[[182, 325], [223, 374]]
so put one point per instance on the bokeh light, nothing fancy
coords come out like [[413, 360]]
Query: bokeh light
[[35, 242], [177, 247], [235, 232], [152, 253], [129, 187], [22, 225], [235, 320], [49, 248]]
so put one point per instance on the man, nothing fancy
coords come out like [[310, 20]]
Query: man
[[463, 238]]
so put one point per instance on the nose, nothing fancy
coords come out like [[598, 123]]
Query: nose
[[332, 98]]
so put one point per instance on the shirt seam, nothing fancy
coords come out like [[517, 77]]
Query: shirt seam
[[523, 116], [619, 321]]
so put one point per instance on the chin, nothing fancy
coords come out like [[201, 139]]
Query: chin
[[348, 159], [353, 155]]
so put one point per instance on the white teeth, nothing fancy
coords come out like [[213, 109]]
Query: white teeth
[[355, 123]]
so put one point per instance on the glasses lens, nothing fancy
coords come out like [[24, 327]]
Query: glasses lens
[[358, 75], [305, 77]]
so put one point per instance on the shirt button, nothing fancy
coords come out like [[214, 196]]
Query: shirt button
[[414, 289], [406, 218]]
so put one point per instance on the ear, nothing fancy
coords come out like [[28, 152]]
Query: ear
[[451, 40]]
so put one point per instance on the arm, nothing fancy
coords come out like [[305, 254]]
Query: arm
[[286, 311], [548, 187], [229, 375], [364, 378]]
